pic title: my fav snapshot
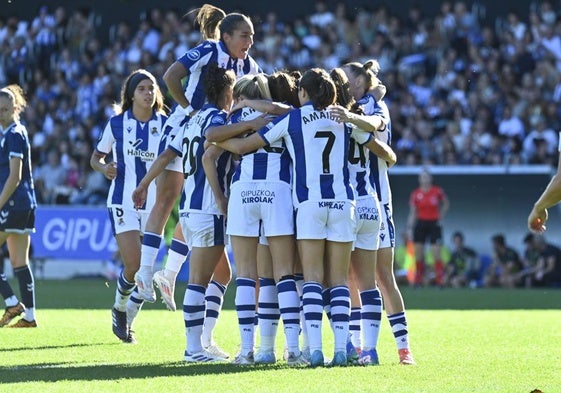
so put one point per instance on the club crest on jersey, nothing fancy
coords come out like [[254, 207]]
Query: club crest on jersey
[[154, 131], [193, 55], [218, 120]]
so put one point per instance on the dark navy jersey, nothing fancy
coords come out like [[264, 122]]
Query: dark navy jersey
[[15, 143]]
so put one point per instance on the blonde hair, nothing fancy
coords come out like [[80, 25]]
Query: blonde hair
[[15, 94], [253, 87]]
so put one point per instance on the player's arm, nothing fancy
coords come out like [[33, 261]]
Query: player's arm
[[173, 77], [263, 106], [550, 196], [97, 162], [382, 150], [242, 145], [227, 131], [13, 180], [140, 193], [209, 165], [365, 123]]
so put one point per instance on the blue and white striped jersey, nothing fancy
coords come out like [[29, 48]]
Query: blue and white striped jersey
[[271, 163], [319, 148], [196, 60], [189, 145], [360, 156], [15, 143], [135, 147], [379, 167]]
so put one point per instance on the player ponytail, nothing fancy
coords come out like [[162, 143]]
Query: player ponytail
[[208, 18], [343, 87], [368, 72], [320, 88], [284, 87]]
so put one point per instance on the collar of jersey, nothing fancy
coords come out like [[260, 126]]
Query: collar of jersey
[[224, 48], [209, 106], [5, 130], [131, 115]]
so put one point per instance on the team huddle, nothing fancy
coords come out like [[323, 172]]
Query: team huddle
[[298, 164]]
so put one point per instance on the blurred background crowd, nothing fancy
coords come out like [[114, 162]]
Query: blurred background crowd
[[460, 91]]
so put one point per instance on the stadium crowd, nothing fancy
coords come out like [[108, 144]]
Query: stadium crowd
[[461, 92]]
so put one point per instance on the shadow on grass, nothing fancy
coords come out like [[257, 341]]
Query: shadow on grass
[[28, 348], [52, 372], [99, 294]]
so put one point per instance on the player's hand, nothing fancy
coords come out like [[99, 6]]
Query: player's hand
[[536, 220], [261, 121], [238, 105], [340, 114], [222, 203], [110, 170], [139, 196]]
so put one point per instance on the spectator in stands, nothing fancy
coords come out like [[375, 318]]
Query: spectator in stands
[[513, 65], [463, 267], [510, 125], [548, 268], [529, 261], [540, 133], [50, 178], [44, 34], [505, 266], [92, 189]]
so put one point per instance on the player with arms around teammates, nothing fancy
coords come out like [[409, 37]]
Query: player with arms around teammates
[[17, 207], [131, 137], [366, 304], [227, 40], [324, 200], [261, 202], [200, 217], [369, 96]]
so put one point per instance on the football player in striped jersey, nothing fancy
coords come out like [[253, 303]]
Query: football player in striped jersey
[[131, 137]]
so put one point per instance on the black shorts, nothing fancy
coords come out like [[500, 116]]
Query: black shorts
[[427, 231], [17, 221]]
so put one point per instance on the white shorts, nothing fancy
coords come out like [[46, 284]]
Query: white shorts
[[330, 220], [253, 205], [203, 230], [124, 220], [174, 124], [367, 224], [387, 228]]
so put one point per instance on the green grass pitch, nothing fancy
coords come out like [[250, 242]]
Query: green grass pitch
[[462, 340]]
